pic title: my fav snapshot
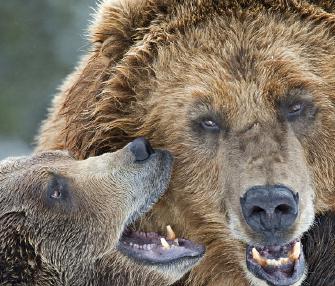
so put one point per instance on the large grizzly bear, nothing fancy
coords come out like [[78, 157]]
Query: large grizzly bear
[[242, 93], [64, 222]]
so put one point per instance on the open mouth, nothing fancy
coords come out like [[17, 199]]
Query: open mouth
[[152, 248], [281, 265]]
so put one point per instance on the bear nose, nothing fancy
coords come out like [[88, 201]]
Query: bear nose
[[268, 209], [141, 148]]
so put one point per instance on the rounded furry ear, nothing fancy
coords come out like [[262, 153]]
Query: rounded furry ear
[[119, 23], [11, 163], [99, 98]]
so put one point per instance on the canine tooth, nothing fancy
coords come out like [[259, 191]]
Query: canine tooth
[[176, 242], [295, 252], [255, 253], [258, 258], [170, 233], [165, 243]]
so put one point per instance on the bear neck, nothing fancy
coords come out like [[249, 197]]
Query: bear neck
[[117, 270], [19, 262]]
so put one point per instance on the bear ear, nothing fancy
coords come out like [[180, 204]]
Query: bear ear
[[100, 96], [119, 23], [9, 164]]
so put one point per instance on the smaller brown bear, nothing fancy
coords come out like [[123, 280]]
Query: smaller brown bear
[[64, 222]]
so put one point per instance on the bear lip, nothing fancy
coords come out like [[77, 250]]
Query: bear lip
[[152, 248], [277, 275]]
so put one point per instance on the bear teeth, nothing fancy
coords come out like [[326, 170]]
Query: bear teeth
[[154, 240], [293, 255], [258, 258], [164, 243], [144, 246], [170, 233]]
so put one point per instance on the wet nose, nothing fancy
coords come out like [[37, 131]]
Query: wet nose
[[269, 209], [141, 148]]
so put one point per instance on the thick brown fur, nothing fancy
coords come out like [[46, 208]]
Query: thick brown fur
[[157, 65]]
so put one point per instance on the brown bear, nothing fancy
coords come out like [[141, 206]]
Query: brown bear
[[242, 94], [64, 222]]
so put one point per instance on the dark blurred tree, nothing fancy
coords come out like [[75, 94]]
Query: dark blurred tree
[[41, 41]]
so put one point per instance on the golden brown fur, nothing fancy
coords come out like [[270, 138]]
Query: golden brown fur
[[157, 65]]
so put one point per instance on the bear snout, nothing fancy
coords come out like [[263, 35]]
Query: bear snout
[[141, 149], [270, 209]]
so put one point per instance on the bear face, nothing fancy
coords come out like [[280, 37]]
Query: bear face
[[242, 95], [64, 222]]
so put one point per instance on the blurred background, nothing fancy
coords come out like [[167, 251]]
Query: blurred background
[[41, 41]]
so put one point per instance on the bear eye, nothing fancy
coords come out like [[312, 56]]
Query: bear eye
[[59, 194], [294, 111], [58, 188], [56, 194], [209, 124]]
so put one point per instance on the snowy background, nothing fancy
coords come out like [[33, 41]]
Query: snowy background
[[41, 41]]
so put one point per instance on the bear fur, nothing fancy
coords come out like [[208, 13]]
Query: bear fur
[[319, 245], [61, 220], [216, 83]]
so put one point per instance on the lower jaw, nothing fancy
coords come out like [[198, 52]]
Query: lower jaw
[[282, 267], [155, 249]]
